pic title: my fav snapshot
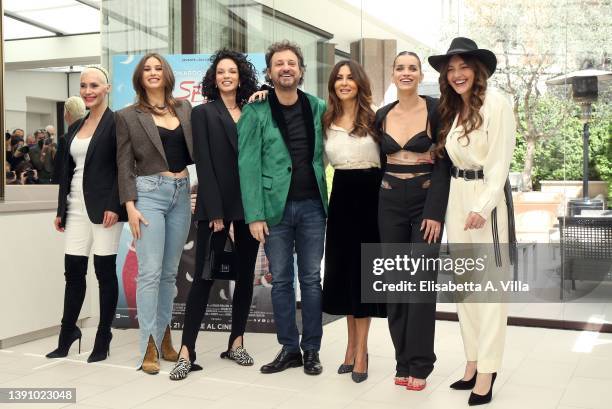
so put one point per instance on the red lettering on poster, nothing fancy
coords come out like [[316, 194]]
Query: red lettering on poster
[[192, 91]]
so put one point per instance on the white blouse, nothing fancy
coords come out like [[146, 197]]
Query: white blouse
[[78, 151], [490, 148], [346, 151]]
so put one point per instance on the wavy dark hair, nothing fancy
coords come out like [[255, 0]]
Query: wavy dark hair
[[451, 103], [247, 76], [364, 115], [141, 92]]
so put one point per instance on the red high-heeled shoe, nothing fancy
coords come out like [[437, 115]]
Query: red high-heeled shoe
[[400, 381], [412, 387]]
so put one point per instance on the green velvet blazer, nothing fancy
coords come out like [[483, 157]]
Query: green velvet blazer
[[264, 162]]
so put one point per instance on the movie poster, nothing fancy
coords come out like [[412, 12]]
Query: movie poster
[[188, 71]]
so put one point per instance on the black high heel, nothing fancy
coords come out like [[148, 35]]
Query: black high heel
[[462, 385], [359, 377], [101, 349], [476, 399], [344, 368], [66, 339]]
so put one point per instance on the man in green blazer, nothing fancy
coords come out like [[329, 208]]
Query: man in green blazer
[[284, 194]]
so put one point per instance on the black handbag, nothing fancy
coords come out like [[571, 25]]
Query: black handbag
[[220, 259]]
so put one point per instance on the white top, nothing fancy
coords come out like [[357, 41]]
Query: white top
[[347, 151], [490, 148], [78, 150]]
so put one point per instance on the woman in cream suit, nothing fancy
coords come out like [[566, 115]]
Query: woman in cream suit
[[478, 132]]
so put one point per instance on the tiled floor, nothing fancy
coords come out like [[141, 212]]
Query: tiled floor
[[542, 369]]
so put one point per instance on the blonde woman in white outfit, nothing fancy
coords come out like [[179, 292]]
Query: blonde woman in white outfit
[[89, 214], [478, 132]]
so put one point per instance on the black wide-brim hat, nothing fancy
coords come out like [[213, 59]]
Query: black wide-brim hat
[[465, 46]]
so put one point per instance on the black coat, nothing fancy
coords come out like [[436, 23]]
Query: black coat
[[437, 195], [100, 186], [215, 141]]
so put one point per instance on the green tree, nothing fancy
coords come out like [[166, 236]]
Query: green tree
[[535, 40], [560, 156]]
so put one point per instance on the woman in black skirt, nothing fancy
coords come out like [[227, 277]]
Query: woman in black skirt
[[227, 84], [354, 154]]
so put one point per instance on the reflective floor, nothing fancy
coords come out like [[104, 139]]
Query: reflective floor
[[542, 369]]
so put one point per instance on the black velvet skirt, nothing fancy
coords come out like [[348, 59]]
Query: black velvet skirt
[[352, 220]]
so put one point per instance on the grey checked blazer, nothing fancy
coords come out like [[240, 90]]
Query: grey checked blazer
[[139, 148]]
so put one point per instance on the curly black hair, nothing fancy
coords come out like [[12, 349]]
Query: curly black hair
[[247, 75]]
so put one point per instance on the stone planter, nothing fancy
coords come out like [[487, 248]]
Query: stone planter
[[572, 189]]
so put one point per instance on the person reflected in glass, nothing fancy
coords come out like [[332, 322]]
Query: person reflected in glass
[[74, 109]]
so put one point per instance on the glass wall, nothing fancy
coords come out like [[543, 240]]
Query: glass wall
[[139, 27], [534, 41]]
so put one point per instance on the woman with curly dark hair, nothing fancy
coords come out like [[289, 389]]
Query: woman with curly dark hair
[[353, 151], [227, 85]]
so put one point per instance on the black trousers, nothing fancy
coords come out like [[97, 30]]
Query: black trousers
[[197, 301], [412, 325]]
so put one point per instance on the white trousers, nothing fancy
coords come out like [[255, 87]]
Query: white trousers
[[483, 325], [82, 235]]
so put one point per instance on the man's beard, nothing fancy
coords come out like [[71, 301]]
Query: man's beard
[[279, 84]]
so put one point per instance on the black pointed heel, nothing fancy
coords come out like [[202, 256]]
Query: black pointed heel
[[462, 385], [66, 339], [476, 399], [101, 349], [359, 377]]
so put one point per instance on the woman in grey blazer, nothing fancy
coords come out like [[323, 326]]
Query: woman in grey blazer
[[154, 147]]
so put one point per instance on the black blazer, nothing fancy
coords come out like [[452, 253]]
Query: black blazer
[[100, 184], [437, 195], [215, 148]]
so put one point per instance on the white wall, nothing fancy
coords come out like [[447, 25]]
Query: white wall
[[52, 52], [74, 83], [33, 92], [32, 274], [14, 119]]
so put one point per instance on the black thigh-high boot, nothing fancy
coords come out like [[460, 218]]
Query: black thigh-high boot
[[74, 295], [105, 267]]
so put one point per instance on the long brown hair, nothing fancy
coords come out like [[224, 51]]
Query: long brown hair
[[364, 117], [451, 103], [141, 92]]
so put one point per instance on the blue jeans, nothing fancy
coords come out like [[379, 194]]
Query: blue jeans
[[302, 226], [165, 204]]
